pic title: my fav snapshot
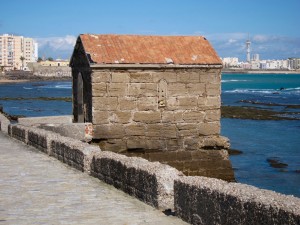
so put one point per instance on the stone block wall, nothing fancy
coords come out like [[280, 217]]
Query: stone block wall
[[208, 163], [70, 151], [74, 153], [51, 71], [197, 200], [19, 132], [4, 122], [39, 139], [201, 200], [165, 109], [150, 182]]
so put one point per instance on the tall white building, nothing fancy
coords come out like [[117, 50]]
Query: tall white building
[[248, 43], [255, 57], [16, 52], [230, 62]]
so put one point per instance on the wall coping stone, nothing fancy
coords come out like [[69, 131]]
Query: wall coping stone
[[4, 123], [246, 202]]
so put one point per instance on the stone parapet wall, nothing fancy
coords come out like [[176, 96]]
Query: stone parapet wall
[[197, 200], [147, 181], [165, 109], [50, 71], [76, 154], [40, 140], [19, 132], [70, 151], [201, 200], [4, 123], [150, 182]]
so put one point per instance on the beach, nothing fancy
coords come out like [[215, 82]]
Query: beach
[[5, 81]]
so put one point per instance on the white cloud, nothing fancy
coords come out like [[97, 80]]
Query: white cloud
[[55, 47], [268, 46], [226, 44]]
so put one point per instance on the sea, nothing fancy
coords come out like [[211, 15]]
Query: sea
[[260, 141]]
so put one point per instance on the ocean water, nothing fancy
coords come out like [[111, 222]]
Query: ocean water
[[34, 108], [258, 140]]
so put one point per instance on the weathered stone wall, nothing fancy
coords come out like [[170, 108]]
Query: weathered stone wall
[[19, 132], [197, 200], [4, 122], [165, 109], [50, 71], [70, 151], [150, 182], [208, 163], [201, 200]]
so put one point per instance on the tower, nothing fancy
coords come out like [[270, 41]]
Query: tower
[[248, 43]]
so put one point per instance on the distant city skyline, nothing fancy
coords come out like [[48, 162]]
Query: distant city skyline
[[55, 25]]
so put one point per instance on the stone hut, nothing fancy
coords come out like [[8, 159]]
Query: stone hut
[[153, 96]]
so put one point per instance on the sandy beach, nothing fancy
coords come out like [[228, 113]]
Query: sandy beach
[[5, 81]]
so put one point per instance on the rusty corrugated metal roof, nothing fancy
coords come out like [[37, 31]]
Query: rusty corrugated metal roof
[[139, 49]]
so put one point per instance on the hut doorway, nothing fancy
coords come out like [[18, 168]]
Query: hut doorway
[[80, 102]]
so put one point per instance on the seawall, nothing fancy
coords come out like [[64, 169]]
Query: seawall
[[197, 200], [151, 182]]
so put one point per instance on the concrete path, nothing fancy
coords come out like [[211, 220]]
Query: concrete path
[[37, 189]]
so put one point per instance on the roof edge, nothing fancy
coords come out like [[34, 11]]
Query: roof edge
[[78, 41], [155, 66]]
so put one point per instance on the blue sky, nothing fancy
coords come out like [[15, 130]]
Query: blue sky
[[273, 25]]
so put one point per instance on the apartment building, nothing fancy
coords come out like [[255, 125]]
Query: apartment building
[[294, 63], [230, 62], [16, 52]]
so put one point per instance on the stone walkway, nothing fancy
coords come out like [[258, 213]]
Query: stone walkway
[[37, 189]]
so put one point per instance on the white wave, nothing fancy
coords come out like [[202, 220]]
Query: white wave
[[59, 86], [251, 91], [287, 91], [292, 89], [27, 88], [63, 86], [228, 81]]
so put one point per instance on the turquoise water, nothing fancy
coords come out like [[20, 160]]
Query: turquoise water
[[33, 108], [259, 140]]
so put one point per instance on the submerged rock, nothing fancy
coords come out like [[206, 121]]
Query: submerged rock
[[234, 152], [275, 163]]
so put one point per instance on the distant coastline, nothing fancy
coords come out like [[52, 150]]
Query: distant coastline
[[25, 76], [245, 71]]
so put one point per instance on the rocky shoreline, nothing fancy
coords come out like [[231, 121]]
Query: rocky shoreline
[[252, 113], [26, 76]]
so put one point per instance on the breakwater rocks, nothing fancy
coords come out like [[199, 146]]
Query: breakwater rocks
[[197, 200], [39, 73]]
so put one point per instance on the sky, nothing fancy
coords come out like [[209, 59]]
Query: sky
[[272, 25]]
